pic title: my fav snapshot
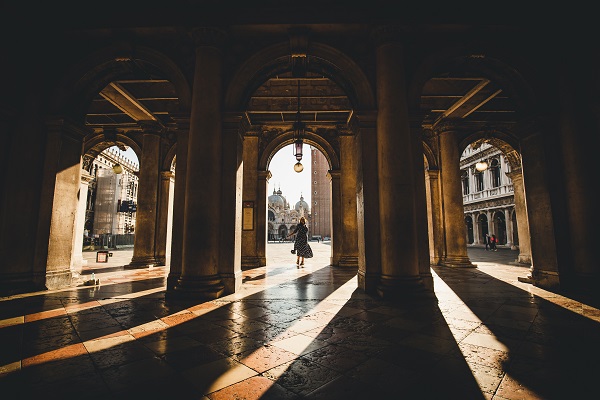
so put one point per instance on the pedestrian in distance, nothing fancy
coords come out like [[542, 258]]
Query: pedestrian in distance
[[486, 241], [493, 242], [301, 246]]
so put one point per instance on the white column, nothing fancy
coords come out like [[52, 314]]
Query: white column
[[77, 261]]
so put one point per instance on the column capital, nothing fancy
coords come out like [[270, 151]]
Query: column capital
[[207, 36], [334, 174], [266, 175], [151, 127], [68, 127], [166, 175]]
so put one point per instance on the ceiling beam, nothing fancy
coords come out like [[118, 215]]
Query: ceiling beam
[[126, 102]]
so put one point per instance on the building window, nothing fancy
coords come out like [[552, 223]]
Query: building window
[[495, 171], [465, 182], [479, 181]]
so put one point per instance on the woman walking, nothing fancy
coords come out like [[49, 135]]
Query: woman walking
[[301, 245]]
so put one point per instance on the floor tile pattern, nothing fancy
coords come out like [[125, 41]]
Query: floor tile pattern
[[300, 333]]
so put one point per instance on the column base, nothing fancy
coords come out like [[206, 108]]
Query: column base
[[199, 287], [142, 262], [457, 262], [405, 289], [231, 281], [427, 281], [345, 262], [548, 280], [524, 259], [251, 262], [368, 282], [59, 279]]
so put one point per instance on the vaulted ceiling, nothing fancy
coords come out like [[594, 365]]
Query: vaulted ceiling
[[121, 104]]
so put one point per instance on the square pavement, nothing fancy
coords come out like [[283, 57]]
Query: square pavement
[[300, 333]]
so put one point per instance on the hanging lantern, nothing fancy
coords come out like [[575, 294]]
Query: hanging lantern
[[481, 166], [298, 134]]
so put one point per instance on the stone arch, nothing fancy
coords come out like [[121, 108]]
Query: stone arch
[[277, 58], [506, 143], [98, 69], [287, 138], [98, 143]]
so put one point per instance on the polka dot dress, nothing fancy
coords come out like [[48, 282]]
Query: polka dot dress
[[301, 243]]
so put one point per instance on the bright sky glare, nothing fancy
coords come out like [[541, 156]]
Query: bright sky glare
[[292, 184]]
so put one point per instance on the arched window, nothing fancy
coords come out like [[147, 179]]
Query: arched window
[[495, 171], [465, 182], [478, 181]]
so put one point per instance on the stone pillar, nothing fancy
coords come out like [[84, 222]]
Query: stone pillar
[[337, 216], [476, 233], [544, 263], [524, 257], [202, 231], [509, 229], [146, 218], [400, 270], [77, 261], [251, 237], [367, 215], [455, 254], [261, 217], [178, 202], [421, 201], [230, 260], [436, 227], [62, 179], [349, 232], [163, 216]]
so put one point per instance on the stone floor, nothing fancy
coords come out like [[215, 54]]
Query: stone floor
[[300, 333]]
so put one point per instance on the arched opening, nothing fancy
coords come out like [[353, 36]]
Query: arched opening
[[469, 229]]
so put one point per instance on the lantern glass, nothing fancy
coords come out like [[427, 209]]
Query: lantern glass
[[298, 149], [298, 167], [481, 166], [117, 169]]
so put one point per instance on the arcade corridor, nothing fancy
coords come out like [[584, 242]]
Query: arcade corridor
[[300, 333]]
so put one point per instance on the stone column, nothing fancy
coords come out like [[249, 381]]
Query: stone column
[[367, 215], [202, 231], [336, 218], [509, 229], [230, 259], [436, 227], [349, 232], [144, 248], [163, 216], [400, 270], [261, 217], [77, 261], [544, 263], [178, 202], [524, 257], [421, 201], [62, 179], [455, 254], [476, 233], [251, 238]]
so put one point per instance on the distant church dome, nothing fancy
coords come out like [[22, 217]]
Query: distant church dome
[[302, 204], [276, 199]]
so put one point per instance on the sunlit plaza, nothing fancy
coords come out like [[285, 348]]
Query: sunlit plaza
[[299, 332]]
